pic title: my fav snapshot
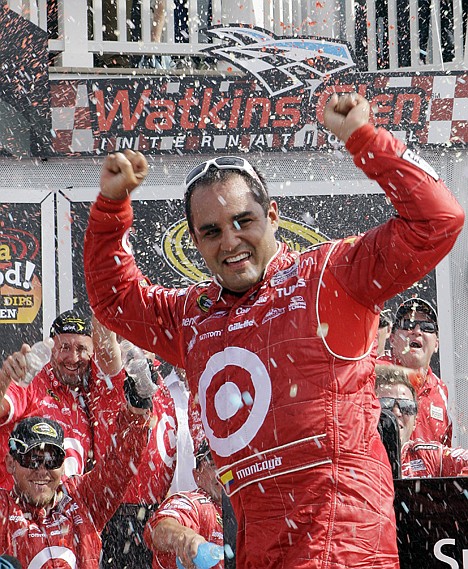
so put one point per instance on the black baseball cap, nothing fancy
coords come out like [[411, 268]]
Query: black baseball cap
[[71, 322], [415, 305], [33, 432], [202, 453]]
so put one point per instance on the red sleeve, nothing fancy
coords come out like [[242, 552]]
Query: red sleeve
[[102, 490], [366, 270], [119, 294], [390, 258], [180, 508]]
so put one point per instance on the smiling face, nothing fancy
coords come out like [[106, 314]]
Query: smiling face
[[35, 486], [405, 422], [414, 348], [71, 356], [231, 231]]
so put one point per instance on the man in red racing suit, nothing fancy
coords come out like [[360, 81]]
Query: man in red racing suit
[[281, 357], [65, 532]]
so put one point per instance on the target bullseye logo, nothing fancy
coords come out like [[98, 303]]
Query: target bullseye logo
[[166, 439], [228, 399], [63, 557]]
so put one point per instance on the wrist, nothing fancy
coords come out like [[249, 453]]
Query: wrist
[[360, 137]]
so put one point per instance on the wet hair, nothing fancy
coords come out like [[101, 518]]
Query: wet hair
[[392, 375], [214, 176]]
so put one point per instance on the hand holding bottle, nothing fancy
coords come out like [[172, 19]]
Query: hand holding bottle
[[36, 359], [208, 555]]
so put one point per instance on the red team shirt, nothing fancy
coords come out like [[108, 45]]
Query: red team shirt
[[195, 510], [74, 410], [67, 536]]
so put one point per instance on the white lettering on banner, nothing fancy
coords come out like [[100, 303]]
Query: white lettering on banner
[[54, 552], [445, 558], [166, 428], [270, 464], [250, 362]]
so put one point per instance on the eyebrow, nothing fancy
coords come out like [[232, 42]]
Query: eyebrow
[[234, 218]]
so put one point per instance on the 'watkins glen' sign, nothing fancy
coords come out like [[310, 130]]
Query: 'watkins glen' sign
[[277, 105]]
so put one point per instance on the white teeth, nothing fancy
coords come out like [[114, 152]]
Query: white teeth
[[237, 258]]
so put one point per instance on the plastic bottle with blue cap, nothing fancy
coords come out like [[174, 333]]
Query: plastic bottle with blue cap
[[208, 555]]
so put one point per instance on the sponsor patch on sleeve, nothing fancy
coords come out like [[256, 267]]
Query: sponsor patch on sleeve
[[419, 162]]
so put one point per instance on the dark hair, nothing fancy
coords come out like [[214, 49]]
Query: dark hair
[[392, 375], [214, 175]]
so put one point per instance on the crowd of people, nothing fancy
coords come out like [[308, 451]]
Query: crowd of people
[[274, 361]]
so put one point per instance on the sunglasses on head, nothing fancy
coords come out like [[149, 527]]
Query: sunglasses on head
[[424, 325], [222, 163], [406, 406], [50, 460]]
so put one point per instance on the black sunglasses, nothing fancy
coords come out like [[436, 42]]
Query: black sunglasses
[[424, 325], [50, 460], [406, 406], [222, 163]]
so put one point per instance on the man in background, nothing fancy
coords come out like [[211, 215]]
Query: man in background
[[187, 519], [414, 340], [85, 370], [419, 458]]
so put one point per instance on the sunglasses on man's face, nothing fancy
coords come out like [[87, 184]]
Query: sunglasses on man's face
[[33, 461], [406, 406], [222, 163], [424, 325]]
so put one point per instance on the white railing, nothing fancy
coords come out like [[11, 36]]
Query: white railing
[[383, 33]]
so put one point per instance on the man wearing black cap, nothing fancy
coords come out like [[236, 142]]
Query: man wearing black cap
[[77, 388], [413, 342], [47, 520]]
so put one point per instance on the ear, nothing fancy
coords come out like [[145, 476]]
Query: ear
[[273, 215], [10, 464]]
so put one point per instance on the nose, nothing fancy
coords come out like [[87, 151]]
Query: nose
[[230, 238], [396, 410]]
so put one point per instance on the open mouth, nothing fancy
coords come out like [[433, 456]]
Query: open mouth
[[415, 344], [237, 259]]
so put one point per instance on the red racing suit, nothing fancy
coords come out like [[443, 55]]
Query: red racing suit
[[67, 535], [423, 459], [195, 510], [433, 422], [151, 484], [75, 410], [285, 373]]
